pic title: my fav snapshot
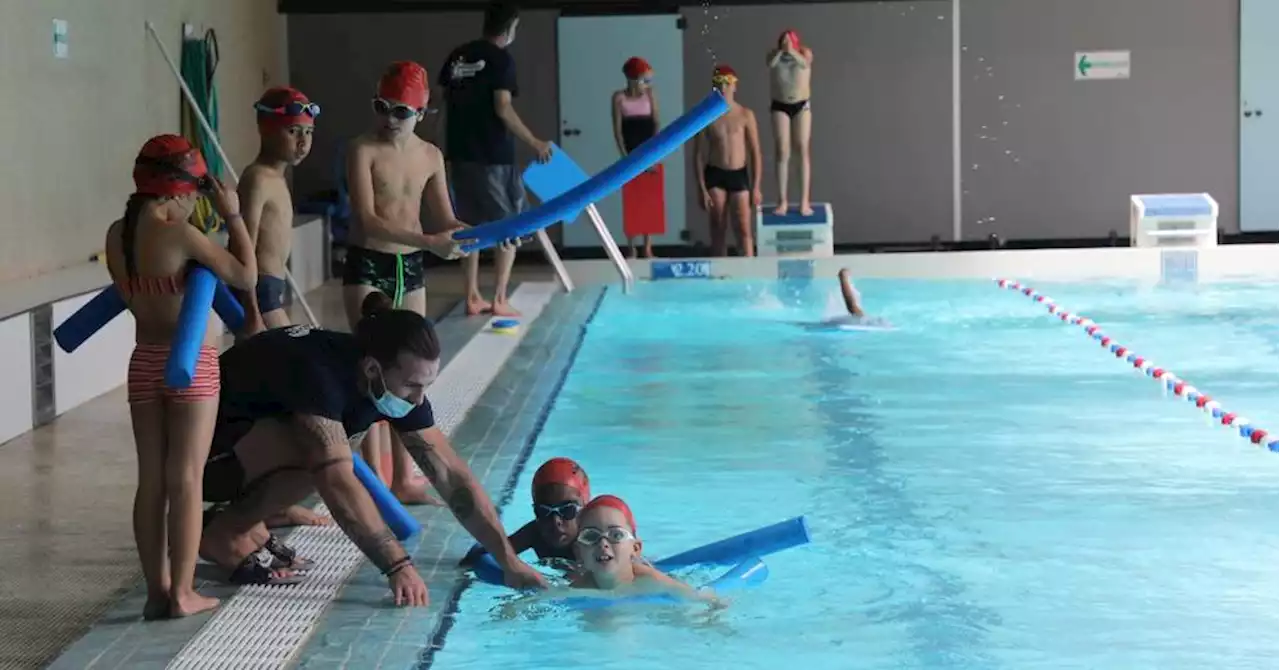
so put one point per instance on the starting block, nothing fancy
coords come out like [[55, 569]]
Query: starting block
[[1173, 220], [793, 234]]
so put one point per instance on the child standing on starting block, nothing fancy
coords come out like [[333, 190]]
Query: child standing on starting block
[[609, 552]]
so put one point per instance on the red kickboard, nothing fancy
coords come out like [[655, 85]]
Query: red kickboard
[[644, 206]]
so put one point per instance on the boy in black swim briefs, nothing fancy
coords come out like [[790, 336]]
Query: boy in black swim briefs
[[727, 157]]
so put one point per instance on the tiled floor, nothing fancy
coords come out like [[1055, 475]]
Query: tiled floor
[[66, 545]]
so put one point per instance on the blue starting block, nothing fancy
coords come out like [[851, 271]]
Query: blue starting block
[[1173, 220], [794, 234]]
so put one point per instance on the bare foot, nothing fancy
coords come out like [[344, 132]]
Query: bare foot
[[415, 494], [780, 209], [190, 603], [156, 607], [504, 309], [297, 515], [477, 306], [806, 209]]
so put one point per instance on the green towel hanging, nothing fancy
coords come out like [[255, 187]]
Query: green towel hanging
[[199, 63]]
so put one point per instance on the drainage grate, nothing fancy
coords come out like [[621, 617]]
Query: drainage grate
[[263, 627]]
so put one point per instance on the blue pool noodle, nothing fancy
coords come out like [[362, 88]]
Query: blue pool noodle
[[193, 321], [89, 319], [730, 551], [611, 179], [108, 304], [228, 308], [761, 542], [398, 519]]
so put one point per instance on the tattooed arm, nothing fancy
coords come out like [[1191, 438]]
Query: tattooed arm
[[324, 442], [464, 495]]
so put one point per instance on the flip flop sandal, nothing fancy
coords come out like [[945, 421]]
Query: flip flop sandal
[[285, 556], [255, 571]]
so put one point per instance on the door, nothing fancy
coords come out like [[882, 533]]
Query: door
[[591, 51], [1259, 114]]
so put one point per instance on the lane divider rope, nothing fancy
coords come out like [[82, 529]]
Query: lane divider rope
[[1170, 382]]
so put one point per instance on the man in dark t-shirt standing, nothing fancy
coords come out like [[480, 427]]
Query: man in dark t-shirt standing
[[479, 82]]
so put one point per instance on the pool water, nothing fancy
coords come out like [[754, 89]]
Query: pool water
[[984, 486]]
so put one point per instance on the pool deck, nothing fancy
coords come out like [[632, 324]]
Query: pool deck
[[70, 588]]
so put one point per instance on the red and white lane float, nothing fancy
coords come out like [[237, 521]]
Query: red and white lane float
[[1180, 387]]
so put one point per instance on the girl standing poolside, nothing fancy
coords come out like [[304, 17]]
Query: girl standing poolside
[[149, 252]]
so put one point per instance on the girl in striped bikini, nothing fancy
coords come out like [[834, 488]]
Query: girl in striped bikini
[[149, 252]]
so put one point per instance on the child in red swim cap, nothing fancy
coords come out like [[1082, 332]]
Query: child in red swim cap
[[560, 489], [609, 551]]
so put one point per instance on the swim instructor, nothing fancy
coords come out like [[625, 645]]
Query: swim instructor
[[293, 399]]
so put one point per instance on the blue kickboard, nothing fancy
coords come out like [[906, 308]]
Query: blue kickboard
[[793, 217], [555, 177], [1177, 205]]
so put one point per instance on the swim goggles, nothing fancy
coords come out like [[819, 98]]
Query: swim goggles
[[615, 535], [204, 183], [567, 511], [311, 109], [384, 107]]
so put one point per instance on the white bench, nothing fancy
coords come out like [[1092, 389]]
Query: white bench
[[795, 235], [1172, 220]]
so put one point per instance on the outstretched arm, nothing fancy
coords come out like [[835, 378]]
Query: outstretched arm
[[467, 500], [851, 301], [328, 455]]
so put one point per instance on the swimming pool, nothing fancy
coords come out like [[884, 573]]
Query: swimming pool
[[984, 487]]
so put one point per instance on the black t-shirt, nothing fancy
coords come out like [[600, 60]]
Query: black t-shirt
[[473, 131], [302, 370]]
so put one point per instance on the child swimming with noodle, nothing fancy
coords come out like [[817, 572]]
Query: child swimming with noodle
[[560, 489], [609, 551]]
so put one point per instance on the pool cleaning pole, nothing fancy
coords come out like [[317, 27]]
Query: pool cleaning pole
[[213, 137]]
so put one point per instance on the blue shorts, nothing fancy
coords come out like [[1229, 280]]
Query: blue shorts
[[270, 293]]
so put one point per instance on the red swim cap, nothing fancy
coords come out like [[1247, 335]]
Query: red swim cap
[[793, 37], [168, 166], [283, 106], [636, 67], [723, 74], [616, 503], [404, 82], [565, 472]]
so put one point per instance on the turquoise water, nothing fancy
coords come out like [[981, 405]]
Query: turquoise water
[[985, 487]]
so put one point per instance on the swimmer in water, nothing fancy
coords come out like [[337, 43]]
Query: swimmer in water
[[560, 489], [852, 299], [608, 549]]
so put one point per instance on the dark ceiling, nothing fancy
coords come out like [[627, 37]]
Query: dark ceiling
[[566, 6]]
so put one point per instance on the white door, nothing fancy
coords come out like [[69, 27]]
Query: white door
[[592, 50], [1260, 114]]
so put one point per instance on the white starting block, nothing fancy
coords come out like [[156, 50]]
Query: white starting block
[[1173, 220], [793, 234]]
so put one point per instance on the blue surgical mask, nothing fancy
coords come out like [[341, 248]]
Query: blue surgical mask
[[390, 405]]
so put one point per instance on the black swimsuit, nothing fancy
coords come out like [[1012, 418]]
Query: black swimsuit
[[637, 130]]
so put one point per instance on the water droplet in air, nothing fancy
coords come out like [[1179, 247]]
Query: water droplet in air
[[982, 137], [964, 47], [984, 127], [1004, 123], [999, 97], [1008, 152], [975, 166], [981, 59], [942, 18]]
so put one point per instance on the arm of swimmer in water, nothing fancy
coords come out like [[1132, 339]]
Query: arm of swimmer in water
[[360, 186], [467, 500], [850, 294], [328, 455], [670, 584], [507, 112]]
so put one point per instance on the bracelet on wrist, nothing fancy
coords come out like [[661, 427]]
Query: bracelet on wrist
[[398, 566]]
